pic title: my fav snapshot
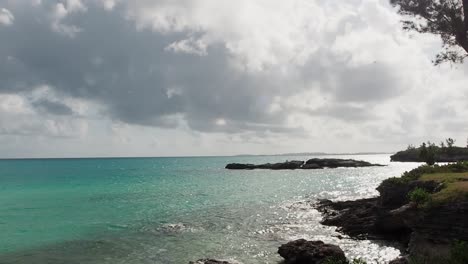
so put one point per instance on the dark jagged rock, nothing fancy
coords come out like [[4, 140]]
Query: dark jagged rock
[[310, 252], [363, 219], [209, 261], [288, 165], [437, 226], [394, 194], [309, 165], [376, 218], [336, 163], [427, 231], [239, 166]]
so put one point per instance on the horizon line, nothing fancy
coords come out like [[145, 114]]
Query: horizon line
[[204, 156]]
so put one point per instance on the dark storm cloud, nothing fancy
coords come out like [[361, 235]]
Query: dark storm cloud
[[53, 107], [347, 82], [368, 82], [345, 112], [130, 72], [138, 81]]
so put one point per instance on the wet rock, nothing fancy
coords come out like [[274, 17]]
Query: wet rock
[[173, 228], [209, 261], [309, 165], [339, 163], [310, 252], [239, 166], [363, 219], [288, 165], [427, 232]]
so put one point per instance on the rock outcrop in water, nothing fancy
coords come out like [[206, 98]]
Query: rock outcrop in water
[[299, 252], [363, 219], [310, 252], [308, 165]]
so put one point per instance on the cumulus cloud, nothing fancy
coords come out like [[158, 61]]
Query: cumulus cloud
[[19, 117], [6, 17], [236, 69]]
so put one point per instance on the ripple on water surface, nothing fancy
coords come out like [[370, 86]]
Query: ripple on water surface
[[174, 210]]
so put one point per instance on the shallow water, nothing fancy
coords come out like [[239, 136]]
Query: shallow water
[[172, 210]]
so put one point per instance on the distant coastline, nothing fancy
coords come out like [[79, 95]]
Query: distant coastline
[[315, 154], [201, 156]]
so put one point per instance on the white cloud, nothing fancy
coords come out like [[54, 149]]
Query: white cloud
[[109, 4], [59, 14], [11, 103], [268, 75], [19, 118], [6, 17], [75, 6], [260, 33], [190, 46]]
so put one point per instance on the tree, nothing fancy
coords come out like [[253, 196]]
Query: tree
[[428, 153], [446, 18], [442, 144], [450, 142]]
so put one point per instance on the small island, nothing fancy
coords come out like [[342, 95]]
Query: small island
[[311, 164]]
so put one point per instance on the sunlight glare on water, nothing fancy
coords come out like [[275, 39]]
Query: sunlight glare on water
[[173, 210]]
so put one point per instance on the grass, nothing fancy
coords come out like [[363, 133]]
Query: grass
[[454, 177], [416, 174], [455, 186]]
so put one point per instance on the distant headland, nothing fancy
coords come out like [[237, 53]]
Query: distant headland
[[431, 153]]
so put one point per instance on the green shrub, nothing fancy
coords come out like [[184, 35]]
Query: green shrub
[[459, 253], [419, 196], [415, 174]]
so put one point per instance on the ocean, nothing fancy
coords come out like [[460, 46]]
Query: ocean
[[173, 210]]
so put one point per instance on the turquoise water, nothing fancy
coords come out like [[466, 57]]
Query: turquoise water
[[172, 210]]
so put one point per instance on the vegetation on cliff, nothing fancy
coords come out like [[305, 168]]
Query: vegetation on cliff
[[452, 180], [431, 153], [426, 209]]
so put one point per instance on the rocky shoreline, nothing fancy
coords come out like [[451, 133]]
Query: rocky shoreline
[[311, 164], [426, 211], [428, 230], [299, 251]]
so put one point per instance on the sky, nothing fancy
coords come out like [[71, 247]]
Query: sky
[[93, 78]]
